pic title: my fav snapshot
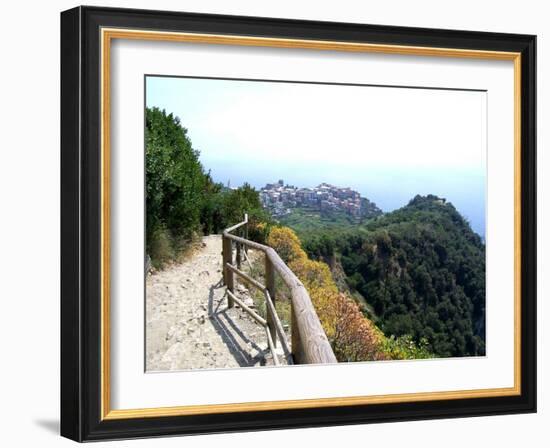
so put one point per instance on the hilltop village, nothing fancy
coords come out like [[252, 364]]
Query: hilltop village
[[279, 199]]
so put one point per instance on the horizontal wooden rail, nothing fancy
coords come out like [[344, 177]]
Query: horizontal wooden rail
[[236, 226], [254, 315], [309, 341], [246, 277], [270, 309]]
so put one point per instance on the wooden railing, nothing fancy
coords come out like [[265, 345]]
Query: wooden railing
[[309, 341]]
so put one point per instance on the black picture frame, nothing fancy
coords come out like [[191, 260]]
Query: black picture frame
[[81, 224]]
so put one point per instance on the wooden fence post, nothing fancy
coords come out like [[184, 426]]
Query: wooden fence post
[[246, 233], [270, 286], [239, 254], [296, 345], [227, 274]]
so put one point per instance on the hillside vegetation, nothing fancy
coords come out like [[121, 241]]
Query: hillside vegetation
[[352, 335], [421, 269], [182, 200], [307, 222]]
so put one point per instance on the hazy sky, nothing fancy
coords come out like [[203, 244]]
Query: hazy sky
[[388, 143]]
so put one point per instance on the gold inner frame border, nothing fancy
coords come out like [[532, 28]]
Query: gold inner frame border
[[107, 35]]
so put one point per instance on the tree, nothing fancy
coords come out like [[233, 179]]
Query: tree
[[175, 180]]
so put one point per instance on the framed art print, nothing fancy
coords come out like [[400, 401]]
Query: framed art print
[[272, 223]]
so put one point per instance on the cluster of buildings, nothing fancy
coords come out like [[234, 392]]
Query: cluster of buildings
[[279, 199]]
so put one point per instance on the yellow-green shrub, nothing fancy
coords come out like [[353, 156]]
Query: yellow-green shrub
[[286, 243], [353, 337]]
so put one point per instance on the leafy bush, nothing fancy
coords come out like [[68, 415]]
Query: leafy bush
[[404, 347], [182, 200], [286, 244]]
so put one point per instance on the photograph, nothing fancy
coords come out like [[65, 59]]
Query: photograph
[[297, 223]]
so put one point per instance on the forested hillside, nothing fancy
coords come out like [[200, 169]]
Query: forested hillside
[[352, 335], [421, 270]]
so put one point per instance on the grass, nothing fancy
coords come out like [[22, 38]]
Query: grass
[[306, 221], [165, 249]]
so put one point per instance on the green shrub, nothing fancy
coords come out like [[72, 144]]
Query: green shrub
[[182, 200]]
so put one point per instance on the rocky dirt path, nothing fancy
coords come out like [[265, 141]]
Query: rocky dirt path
[[188, 325]]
